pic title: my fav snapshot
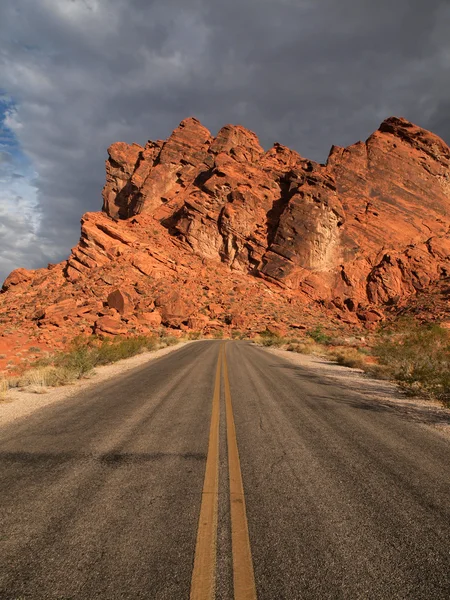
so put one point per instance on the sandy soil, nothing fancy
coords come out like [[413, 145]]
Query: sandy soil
[[428, 413], [17, 404]]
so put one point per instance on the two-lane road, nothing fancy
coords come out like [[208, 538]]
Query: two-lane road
[[124, 491]]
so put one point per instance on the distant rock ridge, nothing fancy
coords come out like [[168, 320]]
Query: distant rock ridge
[[186, 218]]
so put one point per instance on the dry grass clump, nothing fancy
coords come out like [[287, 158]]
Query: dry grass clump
[[194, 335], [270, 339], [84, 355], [40, 378], [305, 346], [167, 340], [4, 387], [350, 357]]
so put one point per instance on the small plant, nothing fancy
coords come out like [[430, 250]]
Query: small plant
[[168, 340], [237, 335], [269, 338], [194, 335], [318, 335]]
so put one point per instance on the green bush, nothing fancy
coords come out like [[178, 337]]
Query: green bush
[[318, 335], [84, 355], [274, 340], [418, 356], [114, 350], [79, 360]]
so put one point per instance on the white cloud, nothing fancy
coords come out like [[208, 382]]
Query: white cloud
[[19, 217]]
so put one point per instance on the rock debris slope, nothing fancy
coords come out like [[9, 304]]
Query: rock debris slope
[[205, 233]]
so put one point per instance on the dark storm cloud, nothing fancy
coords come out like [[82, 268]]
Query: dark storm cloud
[[5, 157], [305, 73]]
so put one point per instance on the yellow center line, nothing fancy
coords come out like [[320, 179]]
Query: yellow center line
[[243, 576], [204, 572]]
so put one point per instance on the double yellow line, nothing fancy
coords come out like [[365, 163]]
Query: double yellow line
[[204, 572]]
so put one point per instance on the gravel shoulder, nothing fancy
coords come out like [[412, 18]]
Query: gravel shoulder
[[17, 404], [428, 413]]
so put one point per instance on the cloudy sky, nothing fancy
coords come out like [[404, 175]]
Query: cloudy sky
[[77, 75]]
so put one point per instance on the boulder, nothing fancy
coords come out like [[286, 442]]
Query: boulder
[[109, 325], [197, 322], [121, 301], [16, 278], [151, 319], [174, 309]]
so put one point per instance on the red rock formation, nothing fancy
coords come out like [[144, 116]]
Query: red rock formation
[[203, 233]]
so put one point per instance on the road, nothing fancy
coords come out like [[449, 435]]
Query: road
[[124, 490]]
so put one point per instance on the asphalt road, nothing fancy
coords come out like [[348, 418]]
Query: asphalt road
[[100, 495]]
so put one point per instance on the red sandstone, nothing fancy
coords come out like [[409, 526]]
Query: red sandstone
[[207, 233]]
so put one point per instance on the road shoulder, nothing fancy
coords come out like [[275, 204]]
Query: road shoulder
[[428, 413], [18, 404]]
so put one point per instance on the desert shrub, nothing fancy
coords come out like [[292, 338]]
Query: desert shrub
[[79, 360], [269, 338], [110, 351], [274, 341], [305, 346], [350, 357], [168, 340], [318, 335], [194, 335], [418, 356], [84, 355], [238, 335]]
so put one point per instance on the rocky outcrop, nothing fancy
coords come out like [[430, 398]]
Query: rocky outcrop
[[200, 232], [323, 229]]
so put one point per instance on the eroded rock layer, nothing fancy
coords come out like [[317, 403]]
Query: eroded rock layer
[[205, 233]]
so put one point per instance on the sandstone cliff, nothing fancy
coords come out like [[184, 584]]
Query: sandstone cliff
[[207, 233]]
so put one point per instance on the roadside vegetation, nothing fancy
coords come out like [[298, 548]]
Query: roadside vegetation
[[413, 354], [418, 357], [80, 360]]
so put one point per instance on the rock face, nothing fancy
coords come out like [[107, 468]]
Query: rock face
[[202, 232], [369, 227]]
